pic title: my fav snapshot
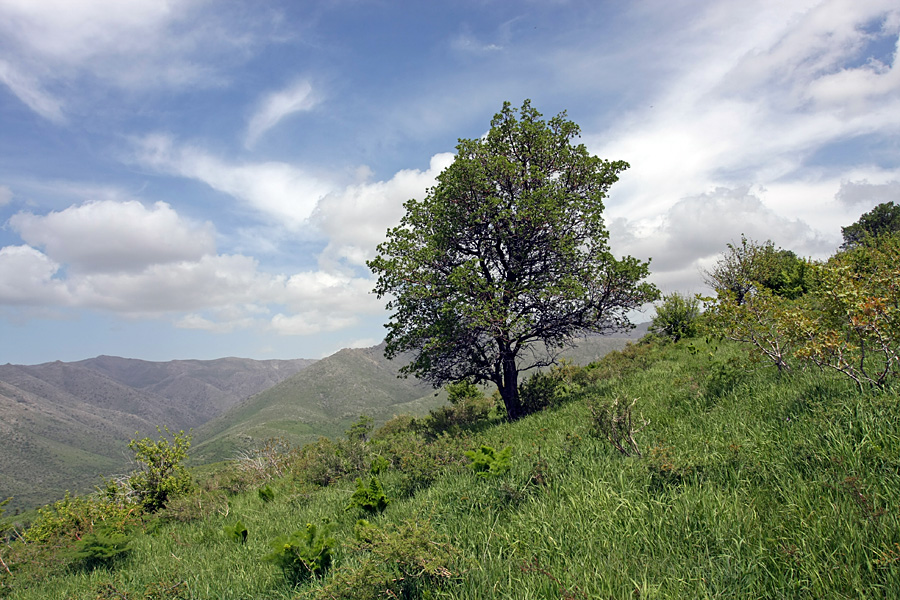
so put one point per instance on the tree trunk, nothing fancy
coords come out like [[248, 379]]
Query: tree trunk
[[509, 390]]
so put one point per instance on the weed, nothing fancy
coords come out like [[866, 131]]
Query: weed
[[614, 421], [236, 533]]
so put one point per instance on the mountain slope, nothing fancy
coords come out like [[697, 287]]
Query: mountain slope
[[65, 424]]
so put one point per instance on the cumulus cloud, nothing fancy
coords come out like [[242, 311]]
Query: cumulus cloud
[[868, 195], [27, 278], [278, 191], [695, 230], [356, 218], [115, 236], [278, 105]]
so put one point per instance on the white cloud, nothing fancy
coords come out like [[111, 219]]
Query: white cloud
[[356, 218], [26, 278], [278, 105], [115, 236], [6, 195], [131, 44], [27, 89], [280, 192], [697, 229]]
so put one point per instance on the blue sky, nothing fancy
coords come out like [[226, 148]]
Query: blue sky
[[201, 179]]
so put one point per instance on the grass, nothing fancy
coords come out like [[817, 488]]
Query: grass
[[751, 484]]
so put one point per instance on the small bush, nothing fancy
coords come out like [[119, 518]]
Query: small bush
[[266, 494], [100, 548], [399, 561], [487, 462], [74, 516], [303, 554], [162, 474], [677, 317], [370, 497]]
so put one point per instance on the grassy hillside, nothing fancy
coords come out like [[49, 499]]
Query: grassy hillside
[[325, 398], [749, 484]]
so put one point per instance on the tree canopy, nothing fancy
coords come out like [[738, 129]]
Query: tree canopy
[[506, 259], [883, 219]]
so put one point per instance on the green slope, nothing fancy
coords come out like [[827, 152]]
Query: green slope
[[326, 397]]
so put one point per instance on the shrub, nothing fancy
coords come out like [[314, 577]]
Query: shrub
[[162, 475], [266, 494], [399, 561], [487, 462], [676, 317], [101, 547], [303, 554], [74, 516], [370, 497]]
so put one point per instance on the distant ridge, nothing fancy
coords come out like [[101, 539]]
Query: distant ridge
[[62, 425]]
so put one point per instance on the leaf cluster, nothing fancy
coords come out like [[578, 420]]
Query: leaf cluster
[[488, 462], [304, 553]]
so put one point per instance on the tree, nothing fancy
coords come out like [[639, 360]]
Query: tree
[[883, 219], [749, 267], [506, 259]]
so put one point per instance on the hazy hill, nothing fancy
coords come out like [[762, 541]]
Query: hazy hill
[[64, 424]]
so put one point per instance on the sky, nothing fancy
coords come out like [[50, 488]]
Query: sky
[[206, 178]]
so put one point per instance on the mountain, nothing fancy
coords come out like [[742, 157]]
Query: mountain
[[62, 425]]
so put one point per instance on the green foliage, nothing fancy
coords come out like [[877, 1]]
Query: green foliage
[[487, 462], [379, 464], [508, 249], [162, 473], [236, 533], [265, 493], [548, 389], [466, 413], [677, 317], [101, 547], [751, 267], [398, 561], [460, 391], [615, 422], [361, 429], [369, 498], [303, 554], [74, 516], [882, 220], [853, 326], [849, 321]]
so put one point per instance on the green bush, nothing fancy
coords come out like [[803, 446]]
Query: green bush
[[487, 462], [101, 547], [399, 561], [369, 497], [303, 554], [677, 317], [161, 475], [74, 516]]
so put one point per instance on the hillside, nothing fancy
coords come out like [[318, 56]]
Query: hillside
[[65, 424], [327, 397], [744, 483]]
